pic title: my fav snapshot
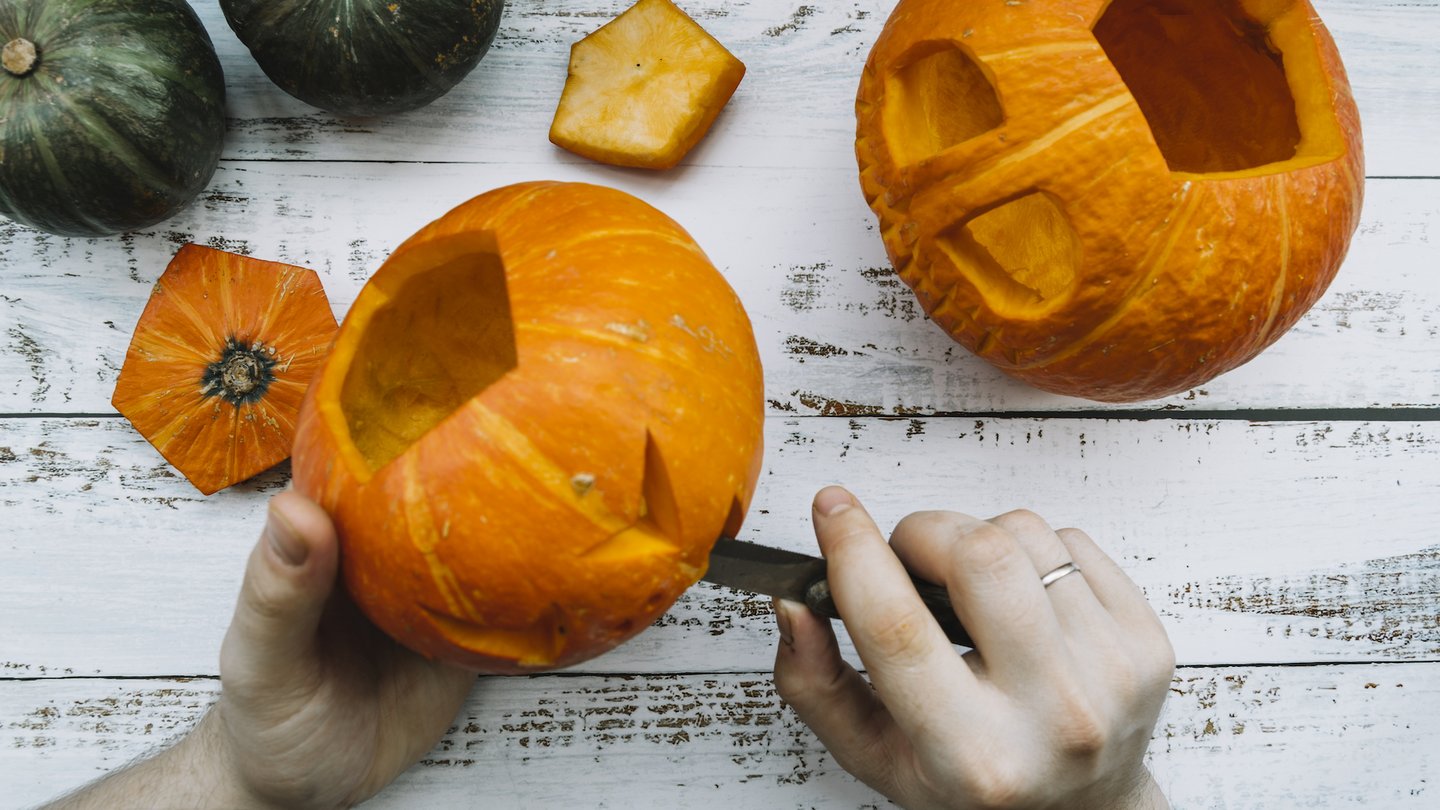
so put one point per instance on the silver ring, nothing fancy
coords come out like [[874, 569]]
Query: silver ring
[[1059, 573]]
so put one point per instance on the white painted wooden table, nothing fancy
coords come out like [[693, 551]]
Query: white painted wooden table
[[1282, 518]]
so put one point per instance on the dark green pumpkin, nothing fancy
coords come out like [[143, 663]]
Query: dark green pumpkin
[[365, 57], [112, 113]]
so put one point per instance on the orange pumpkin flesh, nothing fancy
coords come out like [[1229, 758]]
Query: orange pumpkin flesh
[[644, 88], [538, 416], [1114, 200], [220, 360]]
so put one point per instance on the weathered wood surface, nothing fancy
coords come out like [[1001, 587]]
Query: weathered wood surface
[[1259, 543], [1288, 543], [796, 104], [1262, 737], [839, 333]]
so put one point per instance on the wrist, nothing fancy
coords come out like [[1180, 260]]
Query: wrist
[[1144, 794], [207, 757]]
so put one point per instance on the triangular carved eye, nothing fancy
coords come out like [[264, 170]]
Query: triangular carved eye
[[1208, 78], [939, 97]]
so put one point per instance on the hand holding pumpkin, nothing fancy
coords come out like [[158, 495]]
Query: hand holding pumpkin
[[1054, 708], [317, 707]]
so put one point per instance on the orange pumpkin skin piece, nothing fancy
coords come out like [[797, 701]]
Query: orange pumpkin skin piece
[[220, 360], [559, 500], [1056, 231]]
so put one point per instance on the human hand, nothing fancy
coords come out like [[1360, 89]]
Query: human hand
[[317, 707], [1053, 709]]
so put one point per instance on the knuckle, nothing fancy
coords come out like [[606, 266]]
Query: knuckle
[[984, 548], [265, 599], [899, 635], [1024, 521], [1082, 734], [804, 688], [998, 786], [1073, 538]]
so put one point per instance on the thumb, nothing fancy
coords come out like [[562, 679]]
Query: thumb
[[288, 579], [834, 700]]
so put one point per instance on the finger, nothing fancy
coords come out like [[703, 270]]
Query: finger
[[289, 576], [1119, 594], [993, 584], [903, 648], [1138, 626], [1079, 612], [830, 697]]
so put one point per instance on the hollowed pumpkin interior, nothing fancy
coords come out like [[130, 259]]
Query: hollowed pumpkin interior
[[1211, 80], [1023, 255], [444, 337], [939, 98]]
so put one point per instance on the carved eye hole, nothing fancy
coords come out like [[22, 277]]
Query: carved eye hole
[[939, 98], [1209, 80], [1023, 255], [446, 336]]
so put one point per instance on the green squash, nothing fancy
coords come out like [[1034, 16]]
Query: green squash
[[365, 57], [112, 113]]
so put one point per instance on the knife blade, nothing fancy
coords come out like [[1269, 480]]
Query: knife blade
[[770, 571]]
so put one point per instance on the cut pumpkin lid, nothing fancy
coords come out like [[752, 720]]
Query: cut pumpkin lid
[[644, 88], [220, 361]]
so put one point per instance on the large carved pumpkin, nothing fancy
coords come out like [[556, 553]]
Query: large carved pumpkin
[[1115, 200], [537, 418]]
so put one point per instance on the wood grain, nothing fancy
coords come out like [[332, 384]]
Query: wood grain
[[839, 333], [1258, 543], [1307, 544], [795, 106], [724, 739]]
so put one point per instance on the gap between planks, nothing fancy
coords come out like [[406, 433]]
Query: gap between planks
[[730, 673]]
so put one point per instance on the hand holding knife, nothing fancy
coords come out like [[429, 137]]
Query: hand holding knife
[[802, 578]]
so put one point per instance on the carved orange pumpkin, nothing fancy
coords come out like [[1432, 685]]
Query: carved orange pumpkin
[[538, 416], [220, 361], [1113, 199]]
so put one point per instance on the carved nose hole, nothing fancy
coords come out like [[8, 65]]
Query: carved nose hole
[[940, 97], [1023, 255], [1209, 80], [446, 336]]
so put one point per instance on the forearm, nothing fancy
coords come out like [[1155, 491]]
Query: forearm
[[193, 773]]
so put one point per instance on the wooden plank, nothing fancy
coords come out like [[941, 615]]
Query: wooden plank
[[795, 106], [1258, 543], [838, 332], [1257, 737]]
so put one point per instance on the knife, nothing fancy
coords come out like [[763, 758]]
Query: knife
[[801, 578]]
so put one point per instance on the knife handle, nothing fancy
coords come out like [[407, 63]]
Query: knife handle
[[935, 597]]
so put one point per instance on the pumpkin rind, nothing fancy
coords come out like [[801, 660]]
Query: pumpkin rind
[[562, 508], [366, 57], [120, 121], [1174, 276], [220, 423]]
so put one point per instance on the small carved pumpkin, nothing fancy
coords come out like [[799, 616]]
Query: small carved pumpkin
[[220, 361], [1114, 199], [538, 416]]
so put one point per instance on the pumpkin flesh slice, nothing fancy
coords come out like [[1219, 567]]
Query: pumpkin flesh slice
[[644, 88], [220, 361]]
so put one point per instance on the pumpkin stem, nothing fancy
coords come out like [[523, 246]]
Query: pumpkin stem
[[19, 57], [241, 375]]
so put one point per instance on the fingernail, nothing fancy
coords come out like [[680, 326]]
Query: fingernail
[[782, 621], [283, 538], [831, 501]]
